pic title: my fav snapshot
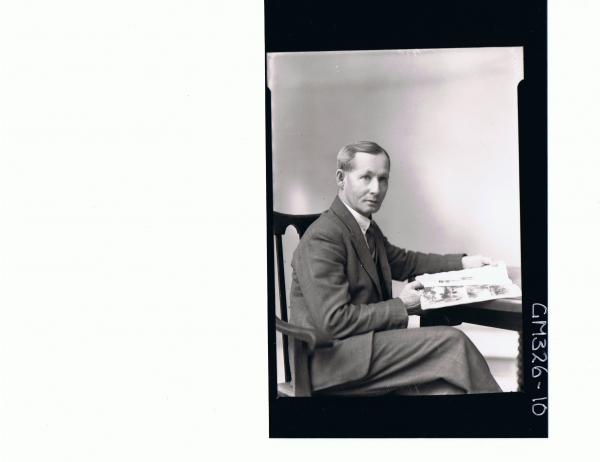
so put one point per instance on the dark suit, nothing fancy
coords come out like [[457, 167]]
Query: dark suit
[[337, 289]]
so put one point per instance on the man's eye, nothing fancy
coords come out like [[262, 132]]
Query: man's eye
[[366, 177]]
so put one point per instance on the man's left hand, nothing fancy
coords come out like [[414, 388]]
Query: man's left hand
[[475, 261]]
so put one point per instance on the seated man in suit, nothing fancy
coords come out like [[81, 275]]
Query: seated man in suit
[[342, 286]]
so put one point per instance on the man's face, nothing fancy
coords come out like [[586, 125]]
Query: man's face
[[365, 186]]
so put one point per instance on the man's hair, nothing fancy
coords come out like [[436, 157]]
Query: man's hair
[[348, 152]]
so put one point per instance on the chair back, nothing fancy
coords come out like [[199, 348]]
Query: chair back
[[281, 221]]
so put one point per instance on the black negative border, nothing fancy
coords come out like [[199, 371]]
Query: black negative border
[[354, 25]]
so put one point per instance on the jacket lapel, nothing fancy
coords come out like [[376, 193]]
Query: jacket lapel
[[359, 242]]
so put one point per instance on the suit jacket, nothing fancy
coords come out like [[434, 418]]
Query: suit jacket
[[336, 289]]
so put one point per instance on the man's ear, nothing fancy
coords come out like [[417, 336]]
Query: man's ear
[[339, 177]]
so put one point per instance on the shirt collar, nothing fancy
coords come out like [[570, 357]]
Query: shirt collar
[[363, 222]]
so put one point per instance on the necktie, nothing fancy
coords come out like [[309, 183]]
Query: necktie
[[370, 235]]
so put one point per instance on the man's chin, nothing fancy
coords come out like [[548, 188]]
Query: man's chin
[[371, 208]]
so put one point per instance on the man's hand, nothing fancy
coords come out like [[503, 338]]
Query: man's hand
[[475, 261], [411, 296]]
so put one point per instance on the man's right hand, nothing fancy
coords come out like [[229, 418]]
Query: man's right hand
[[411, 297]]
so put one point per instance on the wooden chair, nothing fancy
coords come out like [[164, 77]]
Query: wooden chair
[[300, 342]]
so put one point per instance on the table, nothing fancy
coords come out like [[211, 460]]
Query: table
[[504, 313]]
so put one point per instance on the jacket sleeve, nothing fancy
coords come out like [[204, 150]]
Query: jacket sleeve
[[405, 264], [320, 267]]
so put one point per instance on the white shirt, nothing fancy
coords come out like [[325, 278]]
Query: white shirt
[[363, 222]]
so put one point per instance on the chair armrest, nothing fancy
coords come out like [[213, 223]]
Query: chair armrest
[[307, 335]]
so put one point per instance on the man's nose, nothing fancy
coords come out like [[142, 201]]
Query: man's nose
[[375, 186]]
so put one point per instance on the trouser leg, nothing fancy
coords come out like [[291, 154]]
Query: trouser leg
[[435, 360], [437, 387]]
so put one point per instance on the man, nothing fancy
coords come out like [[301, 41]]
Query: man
[[342, 286]]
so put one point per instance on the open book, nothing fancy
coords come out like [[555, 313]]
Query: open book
[[466, 286]]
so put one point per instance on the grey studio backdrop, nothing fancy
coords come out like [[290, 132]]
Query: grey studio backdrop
[[448, 119]]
